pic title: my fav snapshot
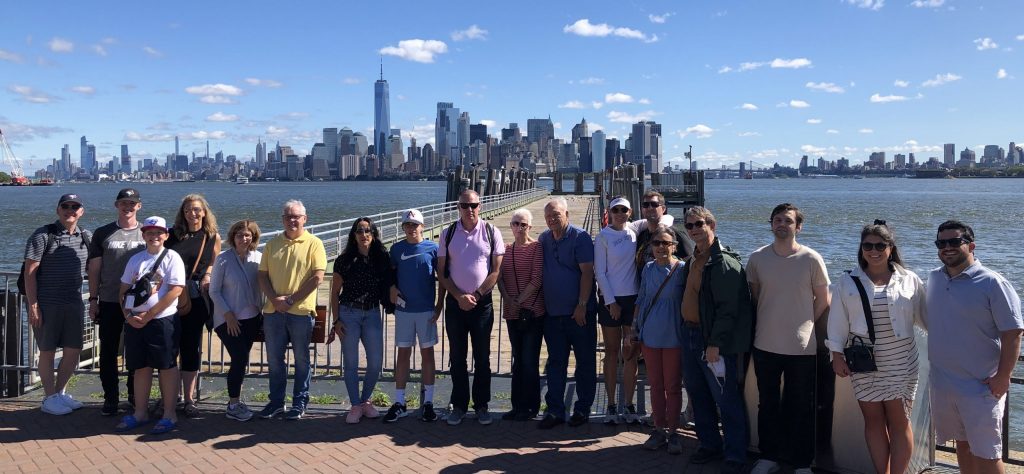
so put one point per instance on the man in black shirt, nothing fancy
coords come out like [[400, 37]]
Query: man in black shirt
[[653, 208]]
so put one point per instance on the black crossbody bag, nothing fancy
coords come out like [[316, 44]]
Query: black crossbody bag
[[860, 357]]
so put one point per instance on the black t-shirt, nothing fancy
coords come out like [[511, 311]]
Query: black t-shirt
[[361, 284], [188, 247]]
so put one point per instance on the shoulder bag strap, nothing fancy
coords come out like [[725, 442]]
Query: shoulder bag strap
[[202, 247], [868, 316], [156, 265], [657, 294]]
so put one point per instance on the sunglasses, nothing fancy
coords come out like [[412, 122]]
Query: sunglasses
[[363, 231], [877, 246], [469, 205], [650, 204], [954, 242], [519, 224], [619, 210], [691, 225], [662, 243], [73, 207]]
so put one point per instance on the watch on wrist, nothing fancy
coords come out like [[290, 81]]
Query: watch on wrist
[[289, 300]]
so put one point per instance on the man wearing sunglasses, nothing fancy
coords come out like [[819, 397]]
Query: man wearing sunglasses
[[55, 261], [718, 320], [976, 311], [789, 285], [653, 209]]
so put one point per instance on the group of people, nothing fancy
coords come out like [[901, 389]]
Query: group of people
[[684, 301]]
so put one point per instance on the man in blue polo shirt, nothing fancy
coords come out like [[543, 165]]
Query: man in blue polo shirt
[[976, 311], [568, 284]]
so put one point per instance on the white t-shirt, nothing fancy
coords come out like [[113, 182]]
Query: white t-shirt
[[615, 263], [170, 273]]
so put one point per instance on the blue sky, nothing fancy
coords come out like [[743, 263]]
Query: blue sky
[[765, 81]]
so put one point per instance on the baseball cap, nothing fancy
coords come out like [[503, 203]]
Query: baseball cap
[[69, 198], [154, 222], [619, 202], [128, 194], [412, 215]]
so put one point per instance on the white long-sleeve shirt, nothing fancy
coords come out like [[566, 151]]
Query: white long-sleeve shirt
[[615, 262]]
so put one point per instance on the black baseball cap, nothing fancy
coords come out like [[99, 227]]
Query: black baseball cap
[[69, 198], [129, 194]]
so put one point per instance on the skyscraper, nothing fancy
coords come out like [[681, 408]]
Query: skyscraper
[[88, 162], [261, 154], [579, 130], [446, 134], [331, 143], [949, 155], [597, 151], [540, 132], [463, 130], [381, 114], [126, 160]]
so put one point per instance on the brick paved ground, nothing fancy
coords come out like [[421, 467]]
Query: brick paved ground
[[85, 442]]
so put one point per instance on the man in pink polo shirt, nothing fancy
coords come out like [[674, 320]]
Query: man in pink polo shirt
[[468, 258]]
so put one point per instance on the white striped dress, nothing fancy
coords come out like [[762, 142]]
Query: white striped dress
[[896, 359]]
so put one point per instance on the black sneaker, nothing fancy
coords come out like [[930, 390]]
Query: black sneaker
[[732, 467], [704, 456], [427, 413], [109, 409], [611, 415], [271, 411], [526, 415], [396, 411], [510, 415], [295, 413], [550, 421], [578, 419]]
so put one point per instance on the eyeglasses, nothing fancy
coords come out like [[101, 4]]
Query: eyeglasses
[[876, 246], [292, 217], [650, 204], [519, 224], [364, 231], [469, 205], [662, 243], [196, 210], [691, 225], [954, 242], [70, 206], [619, 210]]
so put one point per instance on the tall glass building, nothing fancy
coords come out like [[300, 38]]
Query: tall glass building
[[381, 115]]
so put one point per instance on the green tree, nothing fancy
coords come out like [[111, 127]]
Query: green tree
[[4, 177]]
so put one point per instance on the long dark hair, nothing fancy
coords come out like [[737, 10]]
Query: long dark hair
[[378, 255], [881, 230]]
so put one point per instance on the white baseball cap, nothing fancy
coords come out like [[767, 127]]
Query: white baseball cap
[[620, 202], [154, 222], [412, 215]]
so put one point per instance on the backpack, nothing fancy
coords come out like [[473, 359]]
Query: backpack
[[450, 232], [52, 233]]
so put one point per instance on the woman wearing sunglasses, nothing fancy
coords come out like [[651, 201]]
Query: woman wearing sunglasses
[[615, 269], [362, 277], [658, 328], [520, 282], [880, 288]]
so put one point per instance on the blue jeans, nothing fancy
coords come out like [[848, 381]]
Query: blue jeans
[[706, 391], [562, 334], [368, 327], [279, 329]]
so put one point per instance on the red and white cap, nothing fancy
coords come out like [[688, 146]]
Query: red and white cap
[[154, 222]]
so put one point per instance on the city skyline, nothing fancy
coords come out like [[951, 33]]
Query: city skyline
[[860, 76]]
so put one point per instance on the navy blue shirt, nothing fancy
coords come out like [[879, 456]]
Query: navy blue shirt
[[414, 265], [562, 259]]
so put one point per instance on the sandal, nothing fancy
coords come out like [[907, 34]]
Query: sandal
[[190, 410], [163, 426], [128, 423]]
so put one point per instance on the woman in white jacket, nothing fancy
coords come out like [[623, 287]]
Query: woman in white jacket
[[895, 296]]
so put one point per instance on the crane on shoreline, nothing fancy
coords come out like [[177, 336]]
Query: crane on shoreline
[[17, 174]]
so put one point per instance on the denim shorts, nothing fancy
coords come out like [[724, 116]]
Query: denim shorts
[[412, 326]]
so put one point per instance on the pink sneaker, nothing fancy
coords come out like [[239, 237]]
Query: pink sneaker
[[370, 411], [354, 414]]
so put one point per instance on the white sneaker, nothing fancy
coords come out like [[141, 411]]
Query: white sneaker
[[55, 405], [70, 401], [803, 470], [764, 466]]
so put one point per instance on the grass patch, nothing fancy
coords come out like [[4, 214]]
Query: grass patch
[[96, 395], [325, 399], [263, 397], [380, 399], [72, 382], [502, 396], [412, 402]]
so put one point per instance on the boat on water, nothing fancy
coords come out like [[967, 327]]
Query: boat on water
[[241, 180]]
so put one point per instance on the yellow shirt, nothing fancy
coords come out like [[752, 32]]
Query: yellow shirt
[[289, 264]]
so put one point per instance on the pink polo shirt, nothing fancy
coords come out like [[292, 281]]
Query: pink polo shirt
[[468, 253]]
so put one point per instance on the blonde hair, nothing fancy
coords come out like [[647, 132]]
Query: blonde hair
[[209, 225]]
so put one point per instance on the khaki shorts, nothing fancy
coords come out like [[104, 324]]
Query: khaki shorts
[[63, 325], [977, 419]]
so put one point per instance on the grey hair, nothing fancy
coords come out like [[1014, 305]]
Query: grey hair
[[523, 214], [558, 201], [294, 203]]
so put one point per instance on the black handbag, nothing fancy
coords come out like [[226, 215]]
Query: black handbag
[[142, 289], [860, 357]]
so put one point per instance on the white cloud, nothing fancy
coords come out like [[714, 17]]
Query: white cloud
[[87, 90], [881, 99], [351, 80], [748, 134], [584, 27], [148, 137], [941, 79], [489, 123], [748, 106], [557, 125], [9, 56], [985, 43], [152, 51], [263, 82], [99, 49], [293, 116], [594, 126], [418, 50], [572, 104], [825, 86], [221, 117], [204, 135], [214, 89], [812, 150], [865, 131], [900, 83], [799, 104], [590, 81], [1001, 74], [597, 104], [814, 121], [724, 69], [644, 101], [874, 5], [216, 99], [700, 131], [472, 33], [618, 98], [927, 3], [29, 94], [625, 117], [659, 19], [832, 131], [1020, 37], [749, 66], [275, 131], [790, 63], [61, 45]]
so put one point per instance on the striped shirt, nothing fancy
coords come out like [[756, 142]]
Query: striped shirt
[[62, 258], [523, 265], [896, 359]]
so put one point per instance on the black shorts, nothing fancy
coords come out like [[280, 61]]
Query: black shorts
[[63, 326], [154, 346], [627, 303]]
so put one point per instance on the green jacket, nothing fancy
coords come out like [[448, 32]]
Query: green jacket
[[726, 311]]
